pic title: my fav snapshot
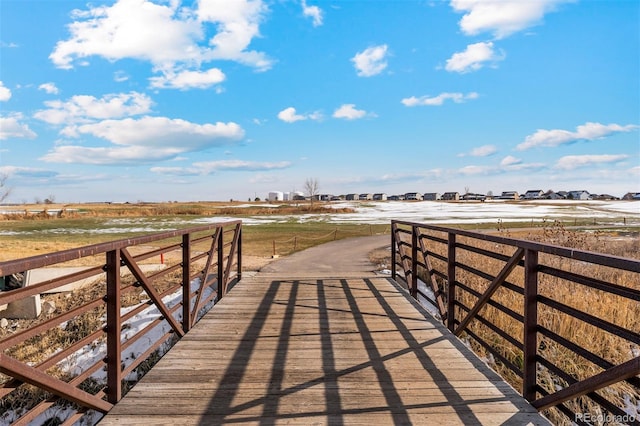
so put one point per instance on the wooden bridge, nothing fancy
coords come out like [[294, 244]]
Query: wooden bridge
[[327, 341], [316, 350]]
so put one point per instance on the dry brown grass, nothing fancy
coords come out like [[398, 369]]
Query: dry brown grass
[[615, 309]]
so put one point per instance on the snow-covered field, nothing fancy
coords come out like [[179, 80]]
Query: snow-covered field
[[614, 213]]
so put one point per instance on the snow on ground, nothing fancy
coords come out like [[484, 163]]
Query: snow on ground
[[382, 212]]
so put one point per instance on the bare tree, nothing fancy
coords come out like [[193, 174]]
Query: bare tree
[[4, 190], [312, 188]]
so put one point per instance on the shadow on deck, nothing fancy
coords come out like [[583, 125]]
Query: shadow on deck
[[354, 350]]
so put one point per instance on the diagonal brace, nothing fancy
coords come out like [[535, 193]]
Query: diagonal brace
[[153, 294], [613, 375], [31, 375], [495, 284]]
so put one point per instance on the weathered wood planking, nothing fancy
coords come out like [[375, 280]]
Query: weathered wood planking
[[320, 351]]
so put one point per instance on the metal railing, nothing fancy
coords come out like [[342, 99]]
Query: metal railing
[[82, 354], [560, 324]]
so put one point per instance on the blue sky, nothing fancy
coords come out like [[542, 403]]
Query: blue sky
[[169, 100]]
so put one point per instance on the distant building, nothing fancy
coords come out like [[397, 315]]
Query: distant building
[[533, 194], [352, 197], [413, 196], [508, 195], [451, 196], [473, 197], [631, 196], [276, 196], [365, 197], [431, 196], [381, 196], [578, 195], [395, 198], [550, 195]]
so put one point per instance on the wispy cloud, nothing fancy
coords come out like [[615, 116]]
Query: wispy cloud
[[210, 167], [314, 12], [290, 115], [502, 17], [439, 100], [571, 162], [11, 127], [50, 88], [350, 112], [5, 92], [481, 151], [83, 108], [188, 79], [371, 61], [143, 140], [474, 57], [588, 132]]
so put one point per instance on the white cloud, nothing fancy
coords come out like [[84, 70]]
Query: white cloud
[[120, 76], [238, 22], [371, 61], [475, 170], [5, 93], [144, 139], [130, 29], [473, 58], [439, 100], [349, 112], [501, 17], [50, 88], [11, 127], [588, 131], [82, 108], [314, 12], [290, 115], [188, 79], [210, 167], [483, 151], [171, 37], [571, 162], [510, 161]]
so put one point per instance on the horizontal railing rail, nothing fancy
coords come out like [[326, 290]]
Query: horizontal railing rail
[[124, 303], [560, 324]]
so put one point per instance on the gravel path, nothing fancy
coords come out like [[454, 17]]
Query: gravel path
[[336, 258]]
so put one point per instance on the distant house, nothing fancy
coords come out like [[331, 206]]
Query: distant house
[[605, 197], [578, 195], [380, 196], [550, 195], [325, 197], [365, 197], [451, 196], [338, 198], [413, 196], [508, 195], [473, 197], [631, 196], [395, 198], [533, 194], [352, 197], [431, 196]]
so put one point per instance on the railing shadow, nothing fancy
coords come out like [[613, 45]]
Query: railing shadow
[[229, 405]]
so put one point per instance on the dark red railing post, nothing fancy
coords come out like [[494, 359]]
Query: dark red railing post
[[239, 251], [393, 250], [222, 286], [530, 324], [114, 357], [186, 282], [414, 262], [451, 279]]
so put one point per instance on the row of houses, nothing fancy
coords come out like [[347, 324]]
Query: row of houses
[[535, 194]]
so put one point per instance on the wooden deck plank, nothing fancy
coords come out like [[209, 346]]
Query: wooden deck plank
[[320, 350]]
